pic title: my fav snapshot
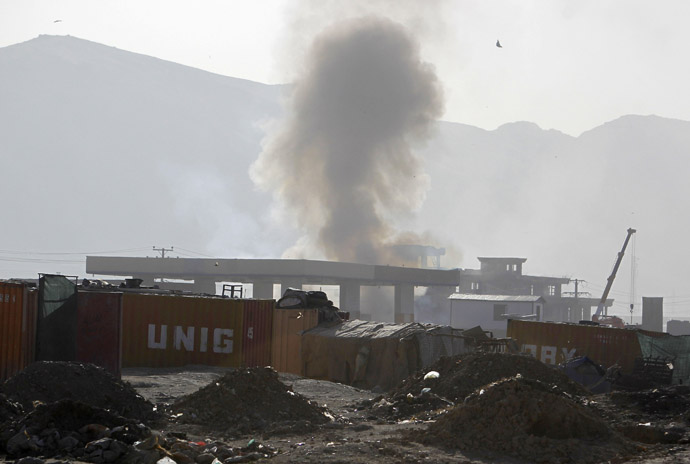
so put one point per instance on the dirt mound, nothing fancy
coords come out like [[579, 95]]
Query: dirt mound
[[461, 375], [48, 381], [527, 419], [248, 400]]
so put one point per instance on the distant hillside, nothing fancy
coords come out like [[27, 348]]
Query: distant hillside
[[105, 149]]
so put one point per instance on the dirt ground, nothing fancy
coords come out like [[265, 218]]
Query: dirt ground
[[357, 436], [407, 425]]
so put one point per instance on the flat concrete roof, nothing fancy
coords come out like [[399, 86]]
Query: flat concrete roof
[[270, 270]]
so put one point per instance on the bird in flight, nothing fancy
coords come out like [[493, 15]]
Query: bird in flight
[[58, 21], [498, 44]]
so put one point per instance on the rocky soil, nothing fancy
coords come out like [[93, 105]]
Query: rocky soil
[[481, 408]]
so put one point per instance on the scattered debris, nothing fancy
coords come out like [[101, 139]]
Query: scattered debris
[[461, 375]]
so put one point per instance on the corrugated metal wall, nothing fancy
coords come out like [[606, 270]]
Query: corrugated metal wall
[[288, 325], [257, 332], [164, 331], [554, 343], [17, 328], [98, 329]]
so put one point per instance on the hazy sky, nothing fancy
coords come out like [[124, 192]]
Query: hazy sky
[[568, 65]]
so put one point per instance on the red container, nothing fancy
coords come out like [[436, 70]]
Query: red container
[[554, 343], [258, 327], [167, 331], [17, 328], [98, 329]]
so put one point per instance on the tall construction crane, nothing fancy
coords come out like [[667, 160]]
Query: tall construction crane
[[612, 320]]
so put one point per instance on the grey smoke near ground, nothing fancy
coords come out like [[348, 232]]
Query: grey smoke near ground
[[342, 161]]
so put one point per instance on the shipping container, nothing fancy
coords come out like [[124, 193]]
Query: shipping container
[[288, 325], [98, 329], [17, 328], [257, 332], [176, 330], [554, 343]]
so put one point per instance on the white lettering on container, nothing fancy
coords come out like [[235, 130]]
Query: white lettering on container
[[530, 350], [226, 346], [568, 354], [152, 344], [186, 339], [203, 342], [548, 354]]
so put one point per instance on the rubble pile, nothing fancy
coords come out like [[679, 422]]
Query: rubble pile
[[423, 406], [530, 420], [69, 428], [247, 400], [8, 409], [658, 415], [668, 401], [49, 381], [461, 375]]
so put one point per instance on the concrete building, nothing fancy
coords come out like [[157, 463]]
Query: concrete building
[[504, 276], [492, 312], [677, 327]]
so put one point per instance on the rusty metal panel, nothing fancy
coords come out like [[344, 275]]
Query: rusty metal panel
[[288, 325], [554, 343], [29, 321], [167, 330], [15, 329], [257, 332], [98, 329]]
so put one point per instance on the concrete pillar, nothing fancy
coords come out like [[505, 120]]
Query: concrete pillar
[[205, 286], [350, 299], [262, 290], [404, 303]]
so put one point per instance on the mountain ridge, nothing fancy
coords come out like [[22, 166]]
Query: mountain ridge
[[109, 146]]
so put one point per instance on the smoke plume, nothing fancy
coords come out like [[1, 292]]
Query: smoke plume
[[342, 163]]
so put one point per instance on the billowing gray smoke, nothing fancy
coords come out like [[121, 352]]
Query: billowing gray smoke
[[342, 162]]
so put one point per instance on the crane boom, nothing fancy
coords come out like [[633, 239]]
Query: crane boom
[[609, 283]]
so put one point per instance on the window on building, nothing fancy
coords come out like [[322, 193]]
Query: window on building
[[475, 285], [499, 311], [507, 267], [539, 312], [551, 290]]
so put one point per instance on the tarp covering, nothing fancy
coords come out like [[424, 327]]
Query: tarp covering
[[56, 328], [375, 355], [672, 348]]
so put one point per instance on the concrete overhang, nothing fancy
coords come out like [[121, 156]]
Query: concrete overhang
[[269, 270]]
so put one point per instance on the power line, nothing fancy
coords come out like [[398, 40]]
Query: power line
[[13, 252]]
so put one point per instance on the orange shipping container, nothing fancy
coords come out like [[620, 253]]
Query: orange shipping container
[[17, 328], [167, 331], [98, 329], [257, 332], [288, 325], [554, 343]]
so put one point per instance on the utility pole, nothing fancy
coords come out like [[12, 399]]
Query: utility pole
[[162, 250], [577, 281]]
